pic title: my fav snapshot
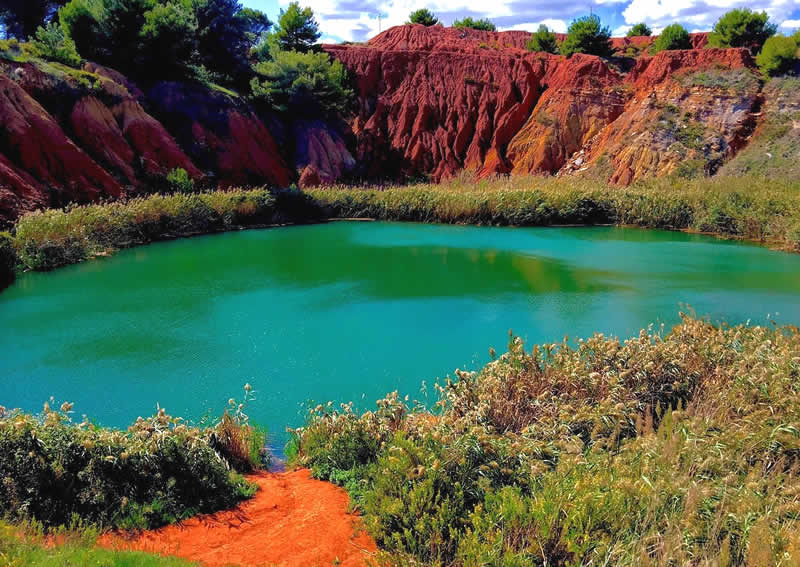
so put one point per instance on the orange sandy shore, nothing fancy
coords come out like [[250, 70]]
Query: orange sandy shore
[[292, 521]]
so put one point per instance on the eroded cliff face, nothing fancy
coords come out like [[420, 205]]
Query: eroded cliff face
[[70, 136], [435, 101], [431, 102]]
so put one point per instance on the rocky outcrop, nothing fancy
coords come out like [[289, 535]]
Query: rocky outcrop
[[431, 102], [79, 136], [55, 168], [222, 134], [321, 154], [685, 114], [434, 101], [436, 112]]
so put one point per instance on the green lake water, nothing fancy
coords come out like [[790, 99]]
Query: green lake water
[[351, 311]]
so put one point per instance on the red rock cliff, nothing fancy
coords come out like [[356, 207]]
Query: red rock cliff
[[431, 103], [434, 101]]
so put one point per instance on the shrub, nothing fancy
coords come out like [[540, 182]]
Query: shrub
[[81, 20], [778, 55], [297, 29], [8, 259], [242, 444], [484, 24], [49, 239], [226, 33], [587, 35], [742, 27], [586, 453], [543, 40], [674, 36], [302, 84], [168, 37], [640, 29], [53, 43], [423, 16], [157, 472], [179, 181]]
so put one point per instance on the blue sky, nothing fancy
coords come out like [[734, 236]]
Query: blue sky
[[357, 20]]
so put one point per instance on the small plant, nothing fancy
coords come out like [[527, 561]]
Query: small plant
[[484, 24], [179, 181], [778, 55], [543, 40], [423, 16], [640, 29], [242, 444], [673, 36], [587, 35], [742, 27], [8, 259], [51, 42]]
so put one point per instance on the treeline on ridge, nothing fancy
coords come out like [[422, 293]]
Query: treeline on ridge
[[276, 64]]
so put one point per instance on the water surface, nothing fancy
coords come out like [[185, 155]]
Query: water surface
[[350, 311]]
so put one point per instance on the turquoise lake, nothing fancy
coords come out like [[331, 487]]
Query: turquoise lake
[[351, 310]]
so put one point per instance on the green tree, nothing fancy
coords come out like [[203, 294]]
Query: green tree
[[778, 55], [742, 28], [674, 36], [81, 20], [168, 37], [297, 29], [587, 35], [303, 84], [484, 24], [640, 29], [21, 18], [226, 33], [422, 16], [543, 40], [121, 28], [51, 42]]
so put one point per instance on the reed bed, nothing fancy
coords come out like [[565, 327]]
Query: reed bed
[[761, 210], [669, 448]]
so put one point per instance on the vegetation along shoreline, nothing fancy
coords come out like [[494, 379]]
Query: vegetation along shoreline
[[762, 211]]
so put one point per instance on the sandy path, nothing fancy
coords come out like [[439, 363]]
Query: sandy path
[[292, 521]]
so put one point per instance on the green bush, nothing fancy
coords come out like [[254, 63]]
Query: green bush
[[484, 24], [742, 27], [8, 259], [587, 35], [674, 36], [297, 29], [51, 42], [423, 16], [585, 453], [778, 55], [81, 20], [48, 239], [543, 40], [302, 84], [168, 37], [640, 29], [157, 472], [179, 181]]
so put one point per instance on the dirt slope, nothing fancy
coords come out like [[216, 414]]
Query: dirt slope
[[293, 521]]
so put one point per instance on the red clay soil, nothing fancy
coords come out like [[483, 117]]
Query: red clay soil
[[293, 520]]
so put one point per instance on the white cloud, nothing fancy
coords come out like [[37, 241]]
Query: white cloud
[[558, 26], [699, 14], [357, 20], [621, 31]]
